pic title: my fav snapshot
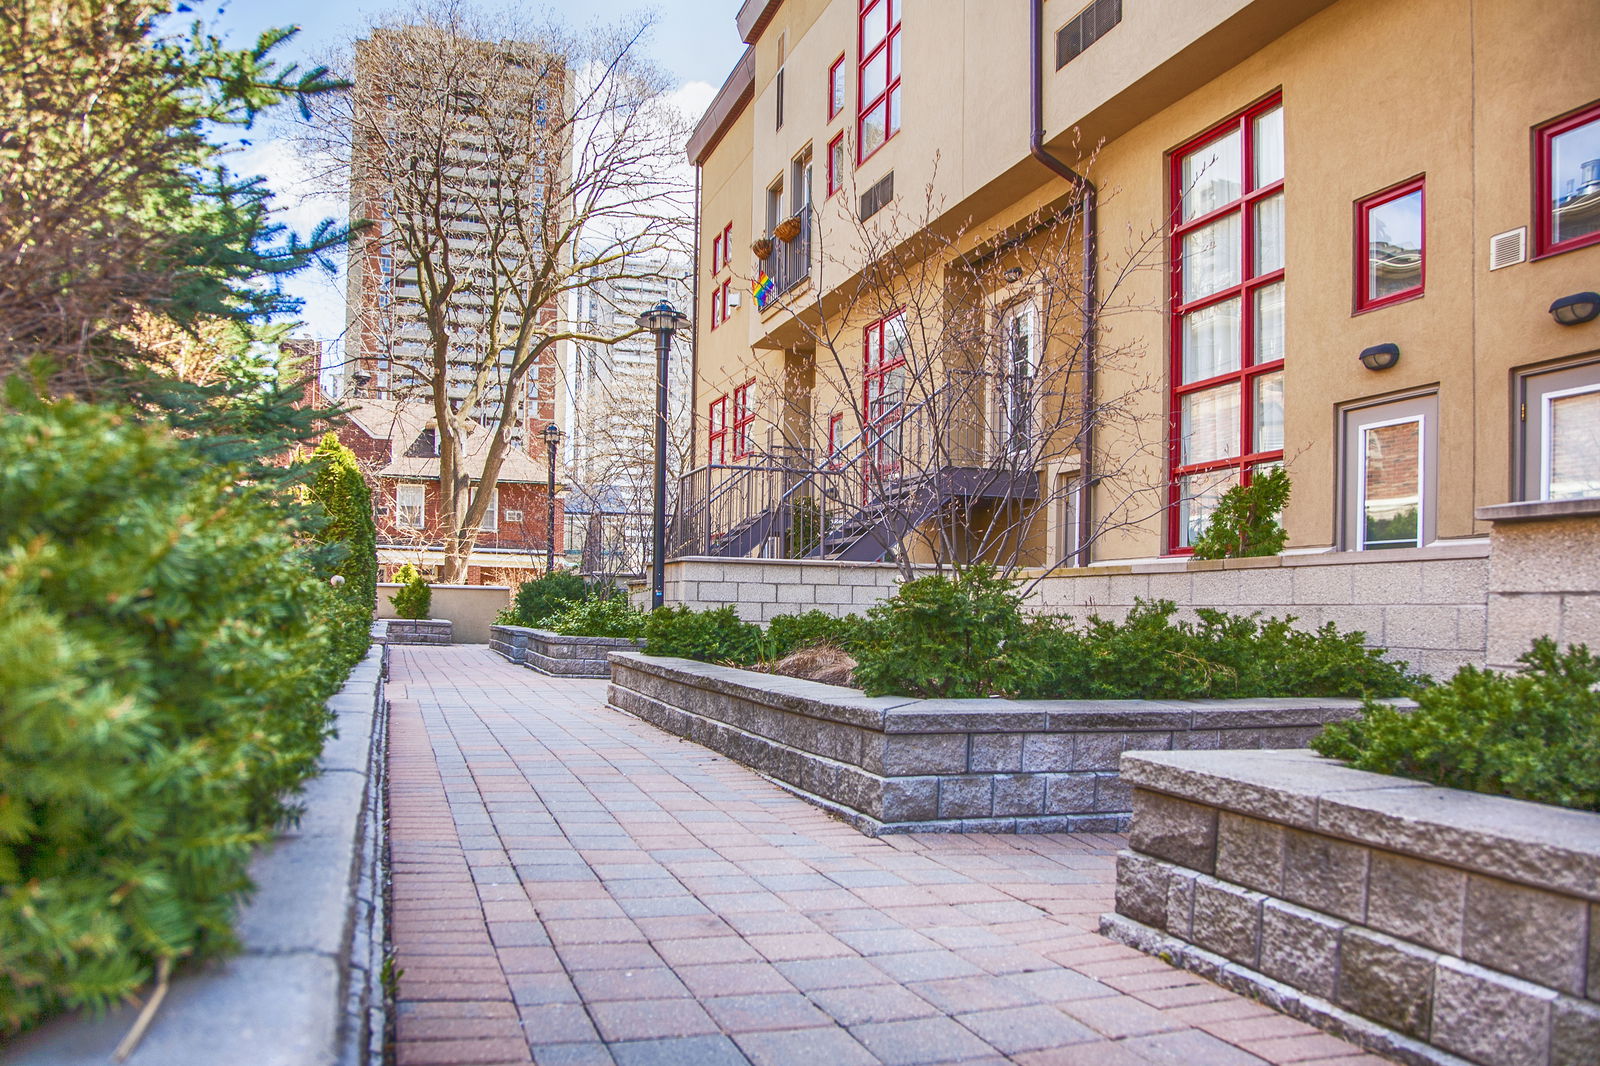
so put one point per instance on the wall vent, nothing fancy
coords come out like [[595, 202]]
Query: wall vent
[[1086, 27], [513, 516], [1508, 248], [877, 198]]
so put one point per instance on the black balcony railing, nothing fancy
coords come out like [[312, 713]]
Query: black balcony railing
[[789, 262]]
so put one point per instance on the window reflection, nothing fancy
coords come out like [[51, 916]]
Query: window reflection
[[1575, 182], [1391, 486], [1394, 246]]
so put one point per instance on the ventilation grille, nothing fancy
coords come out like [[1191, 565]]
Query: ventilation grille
[[513, 516], [1087, 27], [877, 197], [1508, 248]]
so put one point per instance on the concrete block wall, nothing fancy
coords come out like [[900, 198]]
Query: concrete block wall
[[762, 589], [557, 654], [1544, 575], [1429, 924], [471, 608]]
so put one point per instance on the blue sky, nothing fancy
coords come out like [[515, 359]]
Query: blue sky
[[694, 40]]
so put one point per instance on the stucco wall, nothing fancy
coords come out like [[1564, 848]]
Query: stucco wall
[[471, 607]]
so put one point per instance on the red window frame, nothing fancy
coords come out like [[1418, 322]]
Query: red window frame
[[836, 89], [716, 253], [835, 445], [1244, 290], [723, 298], [717, 431], [879, 416], [727, 244], [835, 163], [1365, 301], [1544, 242], [869, 98], [716, 306], [743, 416]]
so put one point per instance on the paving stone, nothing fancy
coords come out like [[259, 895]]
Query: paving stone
[[682, 1051], [832, 1046], [1013, 1030], [920, 1040]]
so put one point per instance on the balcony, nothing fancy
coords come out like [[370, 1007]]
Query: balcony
[[789, 262]]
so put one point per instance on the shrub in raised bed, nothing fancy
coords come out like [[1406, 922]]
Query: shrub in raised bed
[[789, 633], [414, 597], [609, 617], [1534, 735], [543, 597], [165, 658], [716, 636]]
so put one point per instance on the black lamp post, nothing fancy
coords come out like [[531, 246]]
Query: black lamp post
[[662, 320], [552, 437]]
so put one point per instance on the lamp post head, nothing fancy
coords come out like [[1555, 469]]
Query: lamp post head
[[551, 434], [663, 318]]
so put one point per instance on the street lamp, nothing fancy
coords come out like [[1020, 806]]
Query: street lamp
[[662, 320], [552, 437]]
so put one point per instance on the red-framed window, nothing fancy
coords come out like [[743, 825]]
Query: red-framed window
[[1227, 308], [1566, 189], [835, 441], [716, 254], [877, 75], [727, 244], [717, 310], [717, 431], [723, 301], [836, 89], [835, 163], [884, 346], [743, 415], [1390, 246]]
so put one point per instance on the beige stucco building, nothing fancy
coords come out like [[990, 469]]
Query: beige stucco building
[[892, 289]]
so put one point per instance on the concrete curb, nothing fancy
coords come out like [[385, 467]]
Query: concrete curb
[[307, 987]]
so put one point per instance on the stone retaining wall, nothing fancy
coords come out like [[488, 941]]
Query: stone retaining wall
[[894, 764], [1426, 923], [1428, 606], [557, 654], [306, 988], [415, 630]]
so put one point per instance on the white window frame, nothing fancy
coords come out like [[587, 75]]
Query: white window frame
[[410, 496], [491, 514], [1004, 400], [1421, 409]]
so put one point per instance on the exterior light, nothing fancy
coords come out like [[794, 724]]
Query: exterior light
[[1380, 356], [1576, 309], [551, 434], [663, 320], [337, 581], [1013, 275]]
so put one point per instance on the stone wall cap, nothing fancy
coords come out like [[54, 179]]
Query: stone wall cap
[[829, 702], [1532, 843], [1534, 510], [566, 638]]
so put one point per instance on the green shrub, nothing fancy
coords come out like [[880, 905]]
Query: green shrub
[[1245, 522], [948, 638], [414, 597], [1533, 735], [1223, 656], [164, 665], [612, 616], [539, 599], [718, 636], [341, 489], [789, 633]]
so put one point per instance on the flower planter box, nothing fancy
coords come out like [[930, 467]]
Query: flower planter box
[[1430, 924], [556, 654], [893, 764], [417, 631]]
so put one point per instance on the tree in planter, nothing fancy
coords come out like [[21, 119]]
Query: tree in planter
[[339, 486], [1245, 523], [414, 597], [509, 166]]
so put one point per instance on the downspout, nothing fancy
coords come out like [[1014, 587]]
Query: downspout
[[1091, 268]]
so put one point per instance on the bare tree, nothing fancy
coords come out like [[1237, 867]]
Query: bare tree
[[937, 407], [506, 164]]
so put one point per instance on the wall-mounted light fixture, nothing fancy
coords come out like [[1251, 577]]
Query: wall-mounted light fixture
[[1380, 356], [1576, 309], [1013, 275]]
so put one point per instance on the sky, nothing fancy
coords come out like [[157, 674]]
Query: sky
[[693, 40]]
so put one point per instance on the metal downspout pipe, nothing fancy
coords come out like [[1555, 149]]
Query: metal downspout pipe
[[1091, 268]]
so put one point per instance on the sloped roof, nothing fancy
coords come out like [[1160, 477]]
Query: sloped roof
[[403, 422]]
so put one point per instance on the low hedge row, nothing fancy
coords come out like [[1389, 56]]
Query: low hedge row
[[166, 653]]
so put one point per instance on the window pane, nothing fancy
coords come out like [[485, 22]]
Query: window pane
[[894, 110], [1268, 251], [1210, 425], [1574, 446], [1211, 258], [894, 57], [1268, 148], [1198, 496], [1268, 413], [1211, 341], [873, 26], [836, 89], [874, 76], [1391, 481], [1394, 246], [1211, 176], [1269, 323], [872, 129], [1575, 182]]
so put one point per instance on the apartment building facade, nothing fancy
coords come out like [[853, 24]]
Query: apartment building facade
[[1357, 238]]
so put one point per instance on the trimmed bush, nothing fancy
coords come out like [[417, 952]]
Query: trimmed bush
[[543, 597], [718, 636], [1532, 736], [609, 617], [1245, 523], [789, 633], [342, 490], [948, 638], [164, 665], [414, 597]]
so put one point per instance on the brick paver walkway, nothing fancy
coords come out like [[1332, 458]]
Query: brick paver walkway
[[572, 886]]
